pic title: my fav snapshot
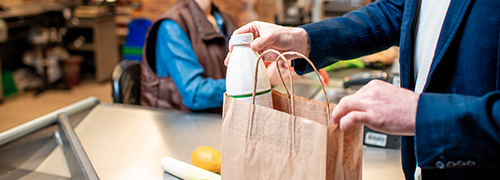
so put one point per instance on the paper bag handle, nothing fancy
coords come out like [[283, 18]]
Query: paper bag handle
[[282, 56], [317, 74], [281, 77]]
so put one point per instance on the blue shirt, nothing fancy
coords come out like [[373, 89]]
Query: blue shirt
[[175, 57]]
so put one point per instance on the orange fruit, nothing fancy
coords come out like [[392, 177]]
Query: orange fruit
[[207, 158]]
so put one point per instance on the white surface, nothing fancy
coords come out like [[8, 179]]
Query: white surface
[[382, 164], [55, 164], [111, 136], [44, 121], [242, 39], [240, 73], [376, 139], [186, 171], [432, 14], [128, 143]]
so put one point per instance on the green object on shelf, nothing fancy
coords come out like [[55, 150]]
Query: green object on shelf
[[132, 50], [357, 63], [8, 85]]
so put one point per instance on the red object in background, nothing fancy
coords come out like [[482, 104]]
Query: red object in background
[[324, 76], [322, 73], [72, 71]]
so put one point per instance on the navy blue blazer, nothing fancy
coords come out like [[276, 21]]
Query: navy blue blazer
[[457, 133]]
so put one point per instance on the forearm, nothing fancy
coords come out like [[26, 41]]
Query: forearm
[[204, 93], [197, 92], [370, 29]]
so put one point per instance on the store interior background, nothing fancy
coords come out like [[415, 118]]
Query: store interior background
[[95, 32]]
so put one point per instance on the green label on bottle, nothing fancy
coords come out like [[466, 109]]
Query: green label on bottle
[[249, 95]]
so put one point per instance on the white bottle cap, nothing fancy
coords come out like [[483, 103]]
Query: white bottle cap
[[242, 39]]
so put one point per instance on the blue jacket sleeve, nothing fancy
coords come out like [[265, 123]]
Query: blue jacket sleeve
[[176, 58], [453, 128], [368, 30]]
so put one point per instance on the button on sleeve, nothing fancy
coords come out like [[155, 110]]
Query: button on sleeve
[[471, 163], [450, 164], [440, 165]]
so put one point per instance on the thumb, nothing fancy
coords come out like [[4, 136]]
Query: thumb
[[284, 65], [226, 61], [352, 118], [230, 47], [261, 42]]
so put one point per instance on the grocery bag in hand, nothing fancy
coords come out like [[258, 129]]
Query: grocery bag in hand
[[275, 143]]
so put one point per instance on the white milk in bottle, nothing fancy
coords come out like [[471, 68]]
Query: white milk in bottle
[[241, 72]]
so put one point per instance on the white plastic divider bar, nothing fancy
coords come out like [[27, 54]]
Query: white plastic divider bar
[[38, 123]]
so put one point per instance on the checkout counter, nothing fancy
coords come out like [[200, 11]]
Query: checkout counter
[[128, 142]]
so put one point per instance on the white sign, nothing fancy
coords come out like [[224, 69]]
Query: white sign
[[376, 139]]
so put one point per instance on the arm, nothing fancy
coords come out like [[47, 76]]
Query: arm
[[176, 58], [452, 127], [370, 29], [447, 127]]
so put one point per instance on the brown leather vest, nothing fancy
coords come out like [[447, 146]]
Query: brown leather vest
[[209, 45]]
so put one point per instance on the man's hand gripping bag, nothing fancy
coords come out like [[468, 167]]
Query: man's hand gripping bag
[[293, 140]]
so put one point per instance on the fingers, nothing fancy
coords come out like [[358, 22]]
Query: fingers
[[247, 28], [374, 85], [352, 118], [266, 57], [285, 65], [349, 112], [269, 56], [252, 27], [380, 106], [230, 46], [345, 106], [226, 61], [260, 43]]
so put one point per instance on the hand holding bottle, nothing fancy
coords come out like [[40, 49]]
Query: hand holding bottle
[[241, 78], [271, 36]]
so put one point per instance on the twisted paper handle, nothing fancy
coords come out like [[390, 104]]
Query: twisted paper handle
[[291, 95]]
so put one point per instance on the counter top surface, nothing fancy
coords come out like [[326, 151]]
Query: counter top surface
[[128, 142]]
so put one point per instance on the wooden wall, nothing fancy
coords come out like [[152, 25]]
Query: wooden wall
[[243, 11]]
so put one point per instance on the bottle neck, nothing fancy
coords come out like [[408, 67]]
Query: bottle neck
[[241, 45]]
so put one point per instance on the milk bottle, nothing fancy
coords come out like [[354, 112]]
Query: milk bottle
[[241, 71]]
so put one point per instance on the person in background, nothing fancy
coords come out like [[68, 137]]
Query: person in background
[[448, 109], [183, 65]]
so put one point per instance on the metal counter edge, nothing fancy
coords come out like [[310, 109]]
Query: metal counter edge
[[38, 123]]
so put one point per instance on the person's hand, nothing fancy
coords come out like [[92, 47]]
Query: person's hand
[[274, 76], [381, 106], [271, 36]]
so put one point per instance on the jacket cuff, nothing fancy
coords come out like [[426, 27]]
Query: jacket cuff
[[320, 56], [452, 129]]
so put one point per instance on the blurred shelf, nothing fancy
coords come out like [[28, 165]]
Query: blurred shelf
[[340, 8], [99, 37], [84, 47]]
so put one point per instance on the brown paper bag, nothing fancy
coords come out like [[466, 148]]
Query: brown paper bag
[[264, 143]]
